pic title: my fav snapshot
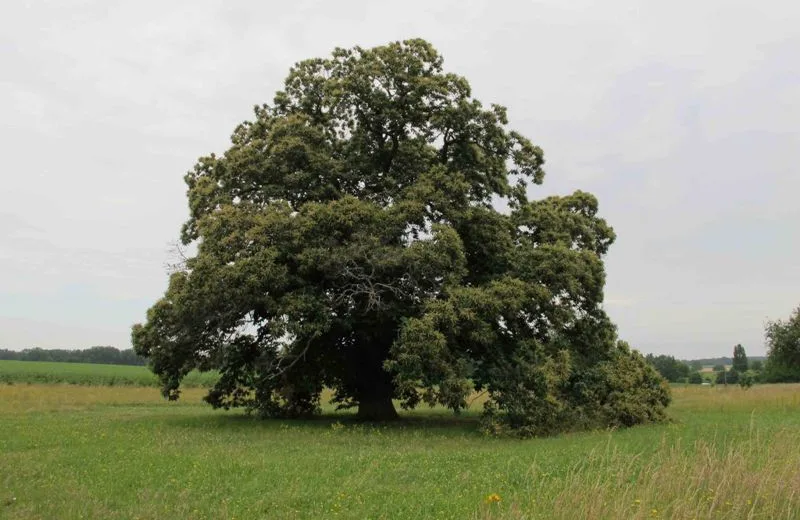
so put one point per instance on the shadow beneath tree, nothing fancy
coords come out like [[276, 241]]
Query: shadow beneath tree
[[416, 422]]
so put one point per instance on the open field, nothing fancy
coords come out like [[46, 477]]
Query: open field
[[89, 374], [122, 452]]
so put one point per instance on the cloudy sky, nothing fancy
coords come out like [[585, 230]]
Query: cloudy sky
[[682, 117]]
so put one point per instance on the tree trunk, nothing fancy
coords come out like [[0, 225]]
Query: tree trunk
[[373, 386], [376, 409]]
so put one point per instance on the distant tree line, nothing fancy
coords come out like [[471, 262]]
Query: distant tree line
[[724, 360], [736, 370], [670, 368], [781, 365], [104, 355]]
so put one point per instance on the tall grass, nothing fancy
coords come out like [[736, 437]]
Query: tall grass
[[750, 478], [72, 452]]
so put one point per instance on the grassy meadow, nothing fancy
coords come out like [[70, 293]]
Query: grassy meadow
[[105, 452], [91, 374]]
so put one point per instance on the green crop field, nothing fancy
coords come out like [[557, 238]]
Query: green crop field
[[71, 451], [89, 374]]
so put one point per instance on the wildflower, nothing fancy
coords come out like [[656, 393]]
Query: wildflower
[[637, 501], [654, 512], [491, 499]]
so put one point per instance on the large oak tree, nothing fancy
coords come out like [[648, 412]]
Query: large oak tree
[[349, 239]]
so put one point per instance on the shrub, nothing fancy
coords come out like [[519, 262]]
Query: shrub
[[747, 379], [731, 377], [624, 390]]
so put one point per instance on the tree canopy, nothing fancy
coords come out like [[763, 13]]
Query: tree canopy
[[350, 239], [670, 368], [783, 349], [727, 377], [740, 363], [695, 378]]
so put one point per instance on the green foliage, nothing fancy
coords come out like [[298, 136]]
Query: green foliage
[[757, 365], [670, 368], [348, 240], [695, 378], [740, 359], [747, 379], [627, 390], [729, 377], [719, 368], [103, 355], [783, 350], [622, 391]]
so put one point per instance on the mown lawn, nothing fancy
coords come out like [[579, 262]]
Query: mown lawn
[[122, 452]]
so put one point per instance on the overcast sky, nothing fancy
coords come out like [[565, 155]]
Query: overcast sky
[[682, 117]]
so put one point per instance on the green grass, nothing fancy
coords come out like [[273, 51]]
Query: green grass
[[93, 452], [91, 374]]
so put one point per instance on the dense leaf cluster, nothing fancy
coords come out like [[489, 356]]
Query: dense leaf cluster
[[783, 350], [671, 369], [349, 239], [740, 363]]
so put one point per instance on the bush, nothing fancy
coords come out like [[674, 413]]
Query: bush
[[624, 390], [670, 368], [695, 378], [747, 379], [730, 377]]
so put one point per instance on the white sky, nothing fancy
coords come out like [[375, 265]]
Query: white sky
[[682, 117]]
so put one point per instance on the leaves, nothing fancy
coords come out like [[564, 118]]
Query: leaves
[[347, 239], [783, 349]]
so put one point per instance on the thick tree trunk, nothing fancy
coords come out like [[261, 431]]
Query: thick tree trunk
[[375, 392], [376, 409], [373, 386]]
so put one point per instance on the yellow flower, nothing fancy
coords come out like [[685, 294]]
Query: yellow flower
[[494, 497], [637, 501], [654, 512]]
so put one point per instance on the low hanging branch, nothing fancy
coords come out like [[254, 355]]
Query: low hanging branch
[[370, 148], [279, 370]]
